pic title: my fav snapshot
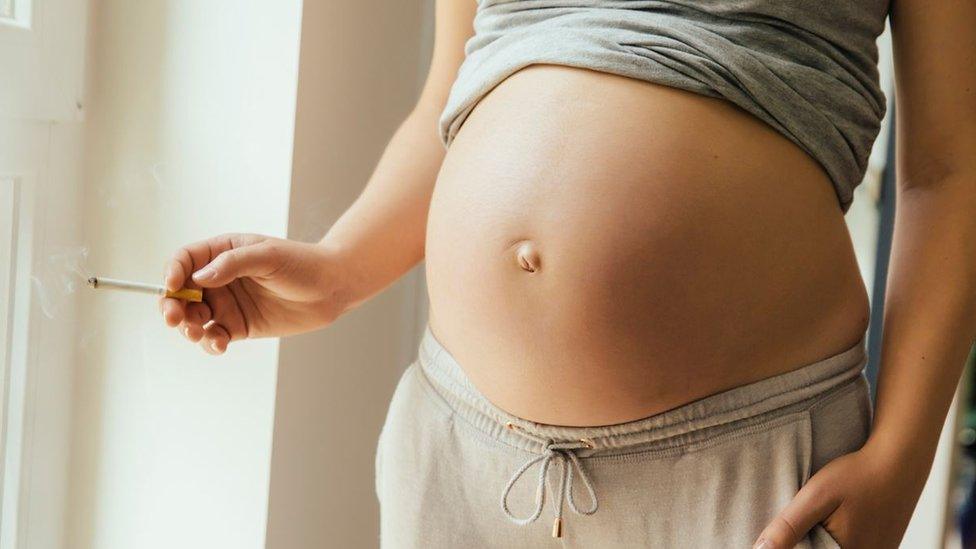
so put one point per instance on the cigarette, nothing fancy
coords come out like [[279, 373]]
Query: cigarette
[[112, 284]]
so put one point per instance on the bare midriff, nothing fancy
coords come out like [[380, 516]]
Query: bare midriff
[[601, 249]]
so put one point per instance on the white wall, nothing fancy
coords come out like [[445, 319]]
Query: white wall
[[362, 65], [189, 134]]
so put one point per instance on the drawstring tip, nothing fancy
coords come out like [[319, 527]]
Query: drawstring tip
[[557, 528]]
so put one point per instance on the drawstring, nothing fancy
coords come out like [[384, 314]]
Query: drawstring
[[564, 451]]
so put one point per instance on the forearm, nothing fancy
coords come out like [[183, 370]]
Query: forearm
[[929, 320], [381, 236]]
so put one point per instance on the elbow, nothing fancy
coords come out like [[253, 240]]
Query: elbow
[[936, 173], [428, 110], [424, 120], [939, 179]]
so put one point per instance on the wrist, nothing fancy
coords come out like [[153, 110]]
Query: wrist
[[901, 469], [343, 275], [892, 451]]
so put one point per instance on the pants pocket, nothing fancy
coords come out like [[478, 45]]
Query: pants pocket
[[720, 490], [841, 423], [378, 467], [392, 410], [820, 537], [414, 466]]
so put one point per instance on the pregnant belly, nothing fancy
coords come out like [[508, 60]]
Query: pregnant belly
[[600, 249]]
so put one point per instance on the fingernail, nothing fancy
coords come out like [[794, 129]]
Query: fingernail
[[214, 347], [763, 544], [204, 273], [186, 331]]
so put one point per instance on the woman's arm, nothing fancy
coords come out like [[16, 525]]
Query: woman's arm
[[866, 499], [258, 286], [382, 234], [930, 301]]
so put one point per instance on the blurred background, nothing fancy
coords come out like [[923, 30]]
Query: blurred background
[[130, 128]]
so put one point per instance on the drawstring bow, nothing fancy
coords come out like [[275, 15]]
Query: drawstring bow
[[564, 452]]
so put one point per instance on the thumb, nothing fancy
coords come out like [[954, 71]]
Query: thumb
[[252, 260], [808, 508]]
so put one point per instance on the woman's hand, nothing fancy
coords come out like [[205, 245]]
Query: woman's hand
[[863, 499], [254, 286]]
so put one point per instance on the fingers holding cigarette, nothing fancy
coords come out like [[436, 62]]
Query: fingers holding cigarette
[[217, 267], [212, 337], [193, 257], [184, 262], [217, 317], [201, 325], [198, 313], [196, 317], [192, 332], [215, 338], [213, 323], [218, 261], [247, 261]]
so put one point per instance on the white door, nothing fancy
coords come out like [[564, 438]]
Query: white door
[[42, 54]]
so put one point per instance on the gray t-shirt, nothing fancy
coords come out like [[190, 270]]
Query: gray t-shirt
[[808, 68]]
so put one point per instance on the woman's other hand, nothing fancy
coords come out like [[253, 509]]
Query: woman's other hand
[[254, 286], [863, 499]]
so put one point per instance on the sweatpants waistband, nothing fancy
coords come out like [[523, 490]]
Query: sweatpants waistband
[[700, 418]]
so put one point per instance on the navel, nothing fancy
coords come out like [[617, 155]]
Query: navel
[[527, 256]]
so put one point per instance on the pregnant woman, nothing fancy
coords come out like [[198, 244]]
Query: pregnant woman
[[646, 319]]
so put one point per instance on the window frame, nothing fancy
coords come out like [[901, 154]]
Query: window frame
[[17, 389]]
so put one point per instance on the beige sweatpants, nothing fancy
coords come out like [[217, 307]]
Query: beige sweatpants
[[452, 470]]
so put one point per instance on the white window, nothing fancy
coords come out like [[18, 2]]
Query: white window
[[15, 261], [42, 45], [15, 12]]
